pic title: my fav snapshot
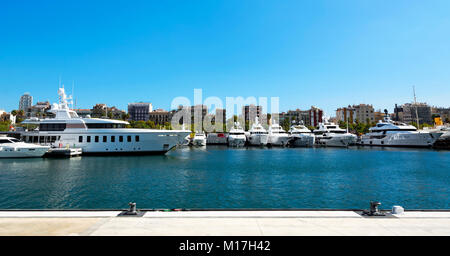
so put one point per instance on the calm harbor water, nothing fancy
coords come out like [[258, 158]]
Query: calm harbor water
[[219, 177]]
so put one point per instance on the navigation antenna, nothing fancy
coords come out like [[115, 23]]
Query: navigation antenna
[[415, 103]]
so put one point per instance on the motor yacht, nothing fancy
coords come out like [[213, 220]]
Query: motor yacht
[[14, 148], [277, 136], [258, 136], [236, 136], [98, 136], [199, 139], [331, 135], [390, 133], [301, 136]]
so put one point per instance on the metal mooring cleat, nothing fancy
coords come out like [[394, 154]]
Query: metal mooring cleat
[[373, 211]]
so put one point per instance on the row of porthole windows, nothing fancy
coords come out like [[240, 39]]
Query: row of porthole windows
[[105, 138]]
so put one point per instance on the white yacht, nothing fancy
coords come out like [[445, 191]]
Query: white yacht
[[98, 136], [12, 147], [258, 136], [199, 139], [389, 133], [277, 136], [301, 136], [331, 135], [236, 136]]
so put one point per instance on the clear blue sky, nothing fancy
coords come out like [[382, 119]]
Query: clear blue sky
[[323, 53]]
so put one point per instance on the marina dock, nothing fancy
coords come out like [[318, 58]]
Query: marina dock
[[223, 223], [63, 152]]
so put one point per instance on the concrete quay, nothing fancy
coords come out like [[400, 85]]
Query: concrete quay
[[223, 223]]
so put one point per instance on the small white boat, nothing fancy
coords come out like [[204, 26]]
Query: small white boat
[[301, 136], [236, 136], [14, 148], [199, 139]]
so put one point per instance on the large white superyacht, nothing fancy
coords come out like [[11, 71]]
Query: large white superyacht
[[98, 136], [331, 135], [258, 136], [390, 133], [236, 136], [278, 136], [301, 136]]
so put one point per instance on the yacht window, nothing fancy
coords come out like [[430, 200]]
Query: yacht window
[[129, 138], [35, 139], [88, 139], [120, 138], [14, 140], [104, 126], [96, 138], [80, 139], [52, 127], [137, 138], [41, 139], [113, 138], [105, 139], [4, 141], [53, 139]]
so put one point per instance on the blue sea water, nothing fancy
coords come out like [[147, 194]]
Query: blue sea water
[[221, 177]]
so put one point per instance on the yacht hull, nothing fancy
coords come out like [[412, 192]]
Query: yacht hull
[[258, 139], [336, 141], [401, 140], [22, 152], [236, 141], [112, 141], [302, 140], [278, 140]]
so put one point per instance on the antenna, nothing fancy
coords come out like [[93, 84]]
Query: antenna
[[73, 97], [415, 103]]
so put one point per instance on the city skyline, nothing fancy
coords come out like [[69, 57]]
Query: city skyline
[[321, 53]]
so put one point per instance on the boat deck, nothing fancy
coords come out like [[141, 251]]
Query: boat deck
[[223, 223]]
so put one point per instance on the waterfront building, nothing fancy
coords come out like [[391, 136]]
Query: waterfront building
[[378, 115], [294, 116], [83, 112], [5, 116], [249, 112], [316, 116], [159, 116], [26, 101], [99, 110], [140, 111], [345, 114], [39, 110], [407, 113], [364, 113], [115, 113]]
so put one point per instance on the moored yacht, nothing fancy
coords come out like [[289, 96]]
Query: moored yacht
[[390, 133], [14, 148], [199, 139], [98, 136], [301, 136], [236, 136], [258, 136], [331, 135], [277, 136]]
